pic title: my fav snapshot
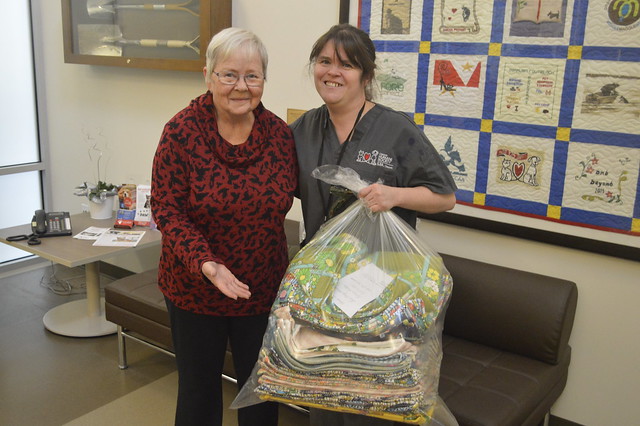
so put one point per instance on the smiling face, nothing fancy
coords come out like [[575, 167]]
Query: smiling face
[[338, 81], [238, 99]]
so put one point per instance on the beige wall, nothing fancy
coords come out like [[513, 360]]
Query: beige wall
[[130, 106]]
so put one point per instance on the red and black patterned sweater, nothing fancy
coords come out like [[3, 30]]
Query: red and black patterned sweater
[[215, 201]]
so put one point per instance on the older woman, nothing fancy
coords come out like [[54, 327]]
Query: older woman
[[224, 176], [380, 144]]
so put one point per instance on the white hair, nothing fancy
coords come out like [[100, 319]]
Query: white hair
[[231, 40]]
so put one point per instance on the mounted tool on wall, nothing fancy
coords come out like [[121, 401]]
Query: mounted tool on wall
[[154, 43], [106, 8]]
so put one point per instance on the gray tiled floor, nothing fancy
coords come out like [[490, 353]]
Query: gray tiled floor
[[46, 379]]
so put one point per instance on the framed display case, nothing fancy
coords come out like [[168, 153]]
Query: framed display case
[[165, 34]]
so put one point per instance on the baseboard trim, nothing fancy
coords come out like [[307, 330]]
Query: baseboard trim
[[21, 265], [558, 421]]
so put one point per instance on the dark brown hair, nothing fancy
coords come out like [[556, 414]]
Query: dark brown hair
[[358, 47]]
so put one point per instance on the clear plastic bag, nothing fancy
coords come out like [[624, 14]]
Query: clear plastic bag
[[357, 323]]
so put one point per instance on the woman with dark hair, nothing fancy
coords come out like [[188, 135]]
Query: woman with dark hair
[[382, 145], [350, 130]]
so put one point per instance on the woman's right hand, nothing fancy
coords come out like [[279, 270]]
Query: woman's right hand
[[225, 281]]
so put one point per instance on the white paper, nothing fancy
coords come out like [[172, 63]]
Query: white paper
[[359, 288], [91, 233], [119, 238], [143, 207]]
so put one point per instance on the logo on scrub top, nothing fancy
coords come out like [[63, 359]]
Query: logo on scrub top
[[375, 158]]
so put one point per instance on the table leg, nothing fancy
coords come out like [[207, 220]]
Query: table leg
[[85, 317], [92, 280]]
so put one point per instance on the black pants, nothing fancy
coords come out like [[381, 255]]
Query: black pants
[[200, 343]]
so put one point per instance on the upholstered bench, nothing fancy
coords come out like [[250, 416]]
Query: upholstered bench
[[136, 305], [505, 342]]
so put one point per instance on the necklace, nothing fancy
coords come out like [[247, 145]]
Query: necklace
[[326, 203]]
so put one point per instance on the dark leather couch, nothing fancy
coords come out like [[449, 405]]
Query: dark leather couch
[[505, 343]]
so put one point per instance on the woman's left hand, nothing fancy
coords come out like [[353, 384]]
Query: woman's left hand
[[378, 197], [225, 281]]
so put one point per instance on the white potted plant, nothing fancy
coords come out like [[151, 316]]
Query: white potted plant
[[100, 198], [100, 195]]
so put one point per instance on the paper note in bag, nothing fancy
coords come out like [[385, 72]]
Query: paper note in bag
[[359, 288]]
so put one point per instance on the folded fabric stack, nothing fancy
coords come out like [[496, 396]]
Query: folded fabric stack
[[382, 361]]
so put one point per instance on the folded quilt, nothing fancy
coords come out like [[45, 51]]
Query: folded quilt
[[407, 377], [306, 341]]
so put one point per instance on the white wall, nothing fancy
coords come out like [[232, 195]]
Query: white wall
[[130, 106]]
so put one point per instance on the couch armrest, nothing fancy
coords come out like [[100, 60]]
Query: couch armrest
[[508, 309]]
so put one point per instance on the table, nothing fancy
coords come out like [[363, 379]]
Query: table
[[85, 317]]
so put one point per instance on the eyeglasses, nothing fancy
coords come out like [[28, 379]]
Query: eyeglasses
[[231, 78]]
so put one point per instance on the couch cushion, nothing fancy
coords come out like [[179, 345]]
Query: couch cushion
[[485, 386], [509, 309], [139, 293]]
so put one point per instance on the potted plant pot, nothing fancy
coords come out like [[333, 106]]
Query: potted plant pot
[[103, 210]]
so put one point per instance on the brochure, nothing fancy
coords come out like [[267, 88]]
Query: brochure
[[143, 207], [91, 233], [119, 238]]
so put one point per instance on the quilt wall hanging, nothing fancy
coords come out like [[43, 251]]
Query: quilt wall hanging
[[533, 104]]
